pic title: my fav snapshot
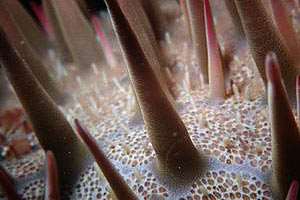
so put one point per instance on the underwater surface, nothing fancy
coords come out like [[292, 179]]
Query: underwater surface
[[153, 100]]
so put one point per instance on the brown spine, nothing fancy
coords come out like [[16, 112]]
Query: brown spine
[[169, 137], [15, 36], [263, 37], [196, 17], [49, 124], [156, 18], [117, 183], [78, 33], [56, 34], [285, 133]]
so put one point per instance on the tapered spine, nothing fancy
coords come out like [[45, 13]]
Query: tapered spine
[[174, 149], [284, 130], [117, 183], [196, 17], [26, 51], [52, 185], [263, 37], [49, 124]]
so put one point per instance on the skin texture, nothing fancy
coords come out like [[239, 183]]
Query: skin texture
[[196, 18], [51, 128], [285, 133], [56, 34], [156, 18], [117, 183], [259, 29], [174, 149], [15, 36]]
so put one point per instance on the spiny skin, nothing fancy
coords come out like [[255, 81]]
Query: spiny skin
[[259, 29], [234, 135], [52, 187], [15, 34], [56, 34], [174, 149], [196, 18], [119, 186], [285, 133], [77, 33], [51, 128]]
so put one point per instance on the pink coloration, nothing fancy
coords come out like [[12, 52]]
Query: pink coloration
[[293, 191], [298, 95], [52, 192], [111, 60], [216, 74], [117, 183], [7, 184], [38, 10], [272, 69], [285, 25]]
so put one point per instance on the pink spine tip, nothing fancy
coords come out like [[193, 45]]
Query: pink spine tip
[[38, 10], [52, 192], [7, 184], [103, 41], [211, 35], [293, 191], [272, 68]]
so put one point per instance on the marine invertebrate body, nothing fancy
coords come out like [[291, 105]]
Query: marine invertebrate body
[[184, 109]]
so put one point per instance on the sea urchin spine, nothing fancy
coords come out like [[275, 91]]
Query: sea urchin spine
[[52, 185], [215, 64], [263, 37], [285, 133], [168, 135], [51, 128], [15, 35], [117, 183]]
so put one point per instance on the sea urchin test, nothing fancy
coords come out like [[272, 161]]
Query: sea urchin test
[[154, 100]]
